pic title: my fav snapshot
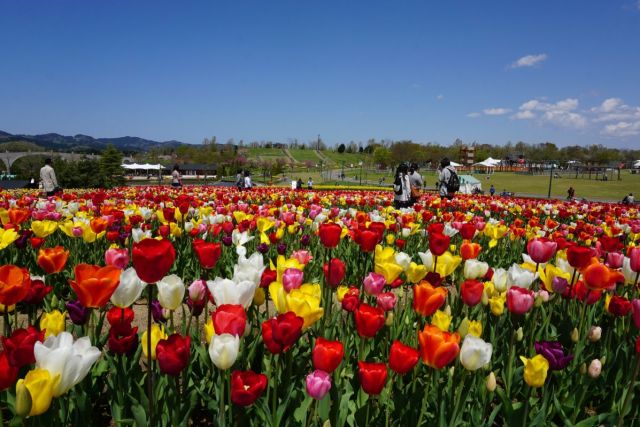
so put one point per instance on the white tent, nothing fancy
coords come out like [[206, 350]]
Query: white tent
[[636, 164], [455, 165], [492, 161], [131, 166], [468, 184], [485, 164]]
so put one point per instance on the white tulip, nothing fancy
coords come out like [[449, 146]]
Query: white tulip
[[170, 291], [138, 234], [449, 230], [474, 269], [249, 269], [129, 289], [227, 291], [427, 259], [239, 240], [475, 353], [521, 277], [403, 260], [223, 350], [499, 279], [629, 274], [564, 265], [60, 355]]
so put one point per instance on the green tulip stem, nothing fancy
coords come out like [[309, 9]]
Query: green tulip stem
[[7, 326], [627, 398], [368, 408], [526, 407], [459, 400], [435, 262], [423, 408], [510, 362], [222, 411], [149, 360]]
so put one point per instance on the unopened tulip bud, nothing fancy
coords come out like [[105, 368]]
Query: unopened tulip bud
[[389, 319], [491, 382], [485, 298], [23, 400], [258, 297], [452, 370], [447, 310], [519, 334], [603, 360], [583, 368], [595, 367], [327, 424], [463, 329], [595, 332], [54, 302], [575, 335]]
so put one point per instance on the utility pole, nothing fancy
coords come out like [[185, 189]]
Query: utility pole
[[550, 179], [342, 176], [360, 172], [318, 143]]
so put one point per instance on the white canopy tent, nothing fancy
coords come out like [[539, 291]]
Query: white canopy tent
[[492, 161], [145, 166], [636, 164], [469, 184], [455, 165], [485, 164]]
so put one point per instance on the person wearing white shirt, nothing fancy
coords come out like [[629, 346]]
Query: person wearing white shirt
[[48, 178]]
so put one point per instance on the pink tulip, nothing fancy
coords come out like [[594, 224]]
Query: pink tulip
[[635, 312], [292, 279], [117, 257], [374, 283], [386, 300], [634, 258], [615, 259], [198, 290], [541, 250], [519, 300], [302, 256], [318, 384]]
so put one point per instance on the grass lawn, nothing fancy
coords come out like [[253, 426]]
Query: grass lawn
[[612, 190], [265, 152], [304, 155], [348, 158]]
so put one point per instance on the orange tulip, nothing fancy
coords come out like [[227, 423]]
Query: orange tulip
[[438, 348], [98, 225], [598, 276], [94, 285], [470, 250], [427, 298], [18, 216], [15, 283], [53, 260]]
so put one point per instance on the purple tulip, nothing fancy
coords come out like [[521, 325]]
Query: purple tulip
[[559, 284], [282, 249], [305, 240], [263, 248], [157, 312], [78, 313], [554, 353], [227, 240]]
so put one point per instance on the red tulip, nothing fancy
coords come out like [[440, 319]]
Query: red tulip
[[351, 300], [438, 348], [435, 228], [427, 299], [470, 250], [637, 347], [53, 260], [369, 320], [8, 372], [282, 332], [582, 293], [327, 355], [519, 300], [338, 271], [373, 377], [229, 319], [402, 358], [19, 346], [579, 256], [619, 306], [117, 316], [634, 259], [471, 292], [610, 244], [367, 240], [467, 231], [246, 387], [268, 276], [330, 234], [541, 250], [379, 228], [152, 259], [123, 339], [173, 354], [438, 243], [208, 253], [37, 292]]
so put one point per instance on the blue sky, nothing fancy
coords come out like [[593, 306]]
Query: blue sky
[[488, 71]]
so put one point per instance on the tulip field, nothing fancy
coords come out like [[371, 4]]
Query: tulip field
[[152, 306]]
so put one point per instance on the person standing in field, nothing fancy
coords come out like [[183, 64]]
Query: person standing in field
[[448, 181], [571, 193], [415, 179], [492, 190], [247, 180], [48, 178], [176, 177]]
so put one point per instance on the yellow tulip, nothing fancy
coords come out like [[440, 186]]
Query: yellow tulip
[[4, 216], [9, 309], [447, 264], [209, 331], [7, 237], [284, 263], [475, 328], [442, 320], [174, 229], [497, 304], [535, 370], [157, 334], [278, 296], [305, 302], [258, 297], [390, 239], [341, 292], [43, 228], [53, 322], [416, 272], [40, 385]]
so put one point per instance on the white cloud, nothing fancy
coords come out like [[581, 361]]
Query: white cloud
[[440, 97], [560, 113], [474, 115], [496, 111], [529, 60], [615, 110], [622, 129]]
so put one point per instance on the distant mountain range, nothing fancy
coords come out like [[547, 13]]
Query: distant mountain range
[[88, 144]]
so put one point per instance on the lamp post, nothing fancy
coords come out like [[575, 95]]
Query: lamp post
[[550, 180], [342, 176], [361, 172]]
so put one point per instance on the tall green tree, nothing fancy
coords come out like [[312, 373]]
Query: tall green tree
[[111, 172]]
